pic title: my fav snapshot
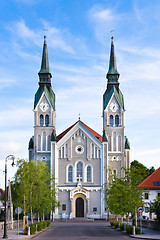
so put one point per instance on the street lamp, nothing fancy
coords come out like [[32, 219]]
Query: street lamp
[[9, 157]]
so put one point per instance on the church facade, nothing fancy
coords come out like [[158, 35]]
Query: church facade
[[79, 157]]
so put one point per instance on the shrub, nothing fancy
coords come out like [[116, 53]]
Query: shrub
[[137, 230], [48, 223], [44, 224], [122, 226], [39, 226], [25, 230], [116, 224], [32, 228], [129, 229], [112, 223]]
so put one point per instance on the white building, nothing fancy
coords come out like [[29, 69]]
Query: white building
[[79, 156]]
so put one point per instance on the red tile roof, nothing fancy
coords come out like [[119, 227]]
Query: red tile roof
[[61, 135], [152, 181]]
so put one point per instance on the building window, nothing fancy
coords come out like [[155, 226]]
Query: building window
[[109, 143], [70, 174], [59, 153], [39, 143], [41, 120], [146, 195], [95, 152], [47, 120], [62, 152], [44, 142], [49, 143], [116, 120], [80, 170], [114, 141], [92, 150], [63, 207], [119, 143], [89, 174], [99, 153], [114, 172], [111, 120], [94, 209], [66, 150]]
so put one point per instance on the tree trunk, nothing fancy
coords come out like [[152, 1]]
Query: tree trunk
[[38, 216], [135, 216], [128, 219], [122, 219], [31, 204], [43, 216], [117, 218]]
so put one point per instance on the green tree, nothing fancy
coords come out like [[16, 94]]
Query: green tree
[[122, 195], [155, 207], [139, 172], [33, 188]]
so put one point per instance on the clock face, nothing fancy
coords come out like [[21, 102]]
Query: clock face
[[79, 149], [114, 107], [44, 106]]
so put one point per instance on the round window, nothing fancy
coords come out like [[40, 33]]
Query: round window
[[79, 149]]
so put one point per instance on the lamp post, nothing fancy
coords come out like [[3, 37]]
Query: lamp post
[[9, 157]]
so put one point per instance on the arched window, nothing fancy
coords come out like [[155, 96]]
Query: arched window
[[119, 143], [44, 142], [66, 150], [59, 153], [89, 174], [111, 120], [62, 152], [95, 152], [41, 120], [49, 143], [116, 120], [80, 170], [70, 174], [92, 150], [114, 141], [109, 143], [39, 143], [47, 120]]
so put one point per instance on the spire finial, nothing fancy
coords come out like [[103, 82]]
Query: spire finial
[[79, 117]]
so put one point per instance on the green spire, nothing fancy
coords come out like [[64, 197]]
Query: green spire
[[113, 73], [104, 137], [44, 73]]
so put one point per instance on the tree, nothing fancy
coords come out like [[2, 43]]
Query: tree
[[155, 207], [122, 195], [139, 172], [33, 188]]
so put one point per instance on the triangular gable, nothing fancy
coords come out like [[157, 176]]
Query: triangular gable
[[152, 181], [61, 135], [49, 93], [108, 94]]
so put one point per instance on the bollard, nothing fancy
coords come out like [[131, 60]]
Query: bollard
[[28, 231], [134, 230]]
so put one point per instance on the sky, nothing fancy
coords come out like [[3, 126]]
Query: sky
[[78, 39]]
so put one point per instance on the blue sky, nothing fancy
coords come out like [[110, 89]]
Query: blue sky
[[78, 39]]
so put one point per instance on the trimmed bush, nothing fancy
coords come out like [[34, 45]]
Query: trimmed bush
[[48, 223], [32, 228], [116, 224], [129, 229], [112, 223], [137, 230], [122, 226]]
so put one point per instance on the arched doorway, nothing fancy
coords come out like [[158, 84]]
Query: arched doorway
[[79, 207]]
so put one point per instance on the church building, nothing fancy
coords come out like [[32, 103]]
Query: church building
[[79, 156]]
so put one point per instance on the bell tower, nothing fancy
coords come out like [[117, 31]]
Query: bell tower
[[44, 113], [113, 119]]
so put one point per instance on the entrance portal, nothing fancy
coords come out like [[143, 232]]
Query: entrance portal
[[79, 207]]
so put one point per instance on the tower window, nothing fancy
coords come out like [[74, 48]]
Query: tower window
[[116, 120], [114, 172], [89, 174], [70, 174], [44, 142], [49, 143], [47, 120], [111, 120], [39, 143], [41, 120], [80, 170], [114, 141]]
